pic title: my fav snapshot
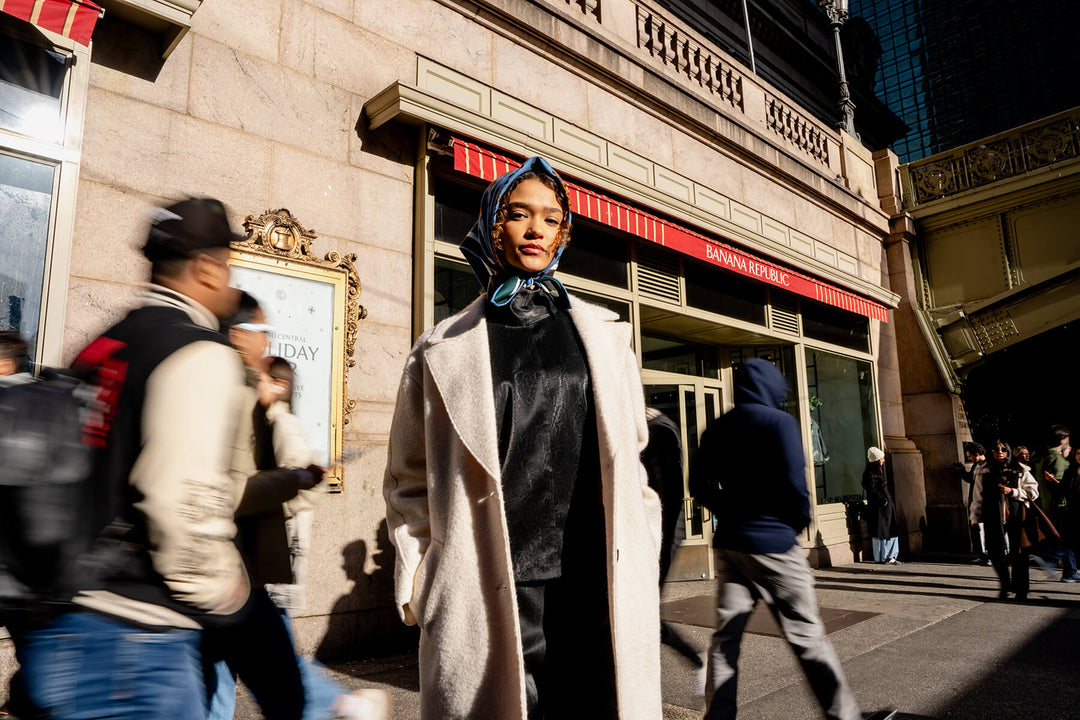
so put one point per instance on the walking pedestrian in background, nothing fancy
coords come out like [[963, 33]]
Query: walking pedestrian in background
[[527, 537], [751, 472], [1001, 488], [166, 497], [880, 510]]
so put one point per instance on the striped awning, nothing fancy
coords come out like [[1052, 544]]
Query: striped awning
[[73, 19], [486, 164]]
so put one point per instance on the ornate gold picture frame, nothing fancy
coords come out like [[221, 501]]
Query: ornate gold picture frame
[[313, 306]]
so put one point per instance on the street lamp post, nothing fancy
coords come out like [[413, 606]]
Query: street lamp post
[[837, 12]]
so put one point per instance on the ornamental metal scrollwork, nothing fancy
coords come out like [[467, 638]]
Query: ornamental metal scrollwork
[[278, 234]]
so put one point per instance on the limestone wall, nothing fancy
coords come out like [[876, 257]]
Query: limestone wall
[[260, 105]]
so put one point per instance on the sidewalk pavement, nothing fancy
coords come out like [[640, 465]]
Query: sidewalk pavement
[[928, 638]]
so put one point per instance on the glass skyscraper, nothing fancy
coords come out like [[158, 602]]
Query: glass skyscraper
[[959, 70]]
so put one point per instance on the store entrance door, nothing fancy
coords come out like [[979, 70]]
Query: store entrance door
[[691, 403]]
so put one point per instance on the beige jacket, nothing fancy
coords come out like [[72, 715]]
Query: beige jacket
[[182, 473], [446, 518], [1028, 491]]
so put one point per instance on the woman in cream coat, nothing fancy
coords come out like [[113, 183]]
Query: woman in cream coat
[[446, 506]]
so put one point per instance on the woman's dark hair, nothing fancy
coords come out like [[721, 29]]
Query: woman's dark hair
[[279, 369], [991, 447], [504, 208]]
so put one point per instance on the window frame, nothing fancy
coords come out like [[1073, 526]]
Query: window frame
[[65, 155]]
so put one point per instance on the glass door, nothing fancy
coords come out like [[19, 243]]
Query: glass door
[[691, 403]]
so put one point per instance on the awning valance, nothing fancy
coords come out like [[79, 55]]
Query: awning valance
[[481, 162], [73, 19]]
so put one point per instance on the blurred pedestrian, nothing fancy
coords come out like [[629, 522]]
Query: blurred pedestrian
[[880, 509], [259, 650], [974, 457], [13, 354], [166, 508], [663, 463], [1070, 530], [751, 472], [1049, 470], [527, 537], [1002, 486]]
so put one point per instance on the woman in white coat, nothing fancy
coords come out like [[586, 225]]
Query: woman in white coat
[[527, 537]]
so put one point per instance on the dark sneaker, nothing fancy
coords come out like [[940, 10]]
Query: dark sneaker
[[1071, 579]]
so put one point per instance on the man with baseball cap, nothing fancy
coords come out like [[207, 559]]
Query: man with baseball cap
[[165, 560]]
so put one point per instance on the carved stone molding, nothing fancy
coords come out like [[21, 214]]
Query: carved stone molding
[[280, 235], [587, 7]]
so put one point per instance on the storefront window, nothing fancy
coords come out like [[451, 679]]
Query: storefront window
[[835, 326], [31, 85], [26, 188], [455, 288], [456, 209], [843, 423], [678, 356], [783, 357], [596, 255], [724, 293]]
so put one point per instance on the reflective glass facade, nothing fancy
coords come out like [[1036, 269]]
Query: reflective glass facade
[[959, 70]]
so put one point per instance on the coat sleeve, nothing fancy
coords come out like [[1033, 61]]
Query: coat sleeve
[[649, 497], [792, 466], [292, 451], [405, 487], [268, 490], [1028, 487], [182, 475], [975, 510]]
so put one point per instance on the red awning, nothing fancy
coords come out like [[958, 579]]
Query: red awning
[[73, 19], [486, 164]]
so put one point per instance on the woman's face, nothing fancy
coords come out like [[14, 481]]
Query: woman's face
[[531, 231], [271, 389], [1023, 455], [999, 453]]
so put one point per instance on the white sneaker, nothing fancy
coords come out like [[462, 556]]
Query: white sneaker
[[367, 704]]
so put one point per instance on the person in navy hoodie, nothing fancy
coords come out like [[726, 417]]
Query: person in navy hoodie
[[750, 471]]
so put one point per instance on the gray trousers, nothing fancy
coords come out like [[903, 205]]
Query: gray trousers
[[785, 583]]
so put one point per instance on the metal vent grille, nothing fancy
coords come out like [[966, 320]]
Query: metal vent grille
[[658, 275], [784, 314]]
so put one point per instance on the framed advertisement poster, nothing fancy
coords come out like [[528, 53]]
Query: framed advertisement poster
[[312, 306]]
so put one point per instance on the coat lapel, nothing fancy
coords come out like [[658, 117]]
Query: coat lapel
[[459, 362], [603, 340]]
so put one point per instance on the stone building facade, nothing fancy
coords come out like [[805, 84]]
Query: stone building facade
[[359, 116]]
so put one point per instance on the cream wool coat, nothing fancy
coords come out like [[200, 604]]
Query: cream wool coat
[[446, 518]]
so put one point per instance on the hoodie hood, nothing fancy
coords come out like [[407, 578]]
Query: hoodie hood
[[759, 382]]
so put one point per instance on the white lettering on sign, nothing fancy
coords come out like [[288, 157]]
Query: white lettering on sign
[[747, 266]]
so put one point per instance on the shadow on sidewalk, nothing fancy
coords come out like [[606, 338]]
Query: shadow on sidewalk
[[899, 587], [1037, 681]]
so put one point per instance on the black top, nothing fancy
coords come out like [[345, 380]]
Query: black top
[[548, 448]]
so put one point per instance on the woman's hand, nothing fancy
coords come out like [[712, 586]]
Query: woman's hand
[[1006, 490]]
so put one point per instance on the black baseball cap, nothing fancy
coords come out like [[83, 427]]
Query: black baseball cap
[[187, 227]]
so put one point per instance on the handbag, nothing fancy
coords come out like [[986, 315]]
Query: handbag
[[1036, 527]]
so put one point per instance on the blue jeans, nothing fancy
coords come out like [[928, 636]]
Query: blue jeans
[[886, 549], [320, 689], [84, 666]]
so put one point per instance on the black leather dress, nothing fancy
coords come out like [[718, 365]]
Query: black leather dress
[[550, 463]]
